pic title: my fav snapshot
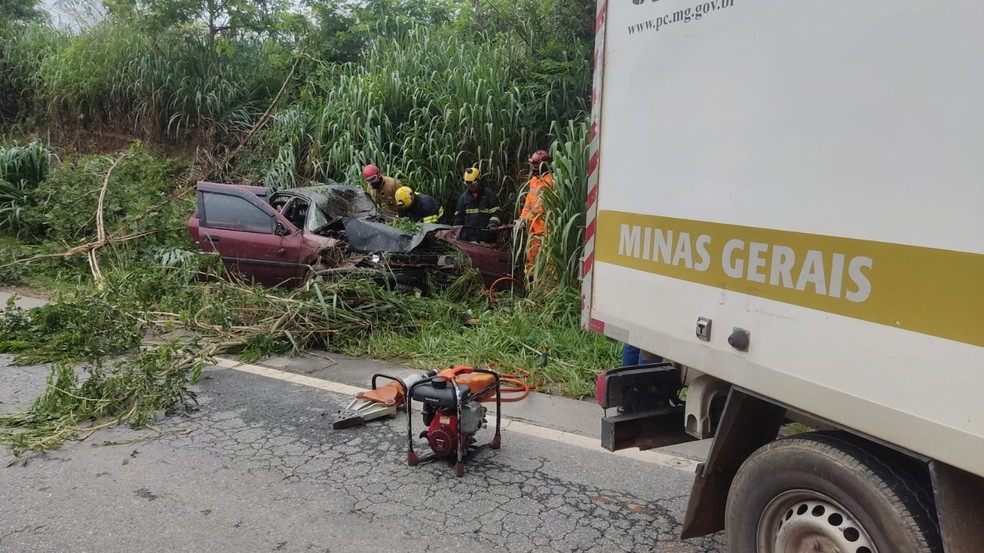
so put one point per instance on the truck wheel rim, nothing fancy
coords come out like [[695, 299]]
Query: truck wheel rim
[[804, 521]]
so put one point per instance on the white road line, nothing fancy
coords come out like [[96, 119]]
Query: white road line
[[311, 382], [654, 457]]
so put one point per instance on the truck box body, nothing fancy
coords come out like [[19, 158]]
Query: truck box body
[[811, 172]]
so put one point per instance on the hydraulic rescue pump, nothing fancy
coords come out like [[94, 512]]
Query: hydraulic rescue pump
[[453, 412]]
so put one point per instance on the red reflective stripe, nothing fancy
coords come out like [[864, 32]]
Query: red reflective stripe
[[597, 326], [601, 390], [588, 322]]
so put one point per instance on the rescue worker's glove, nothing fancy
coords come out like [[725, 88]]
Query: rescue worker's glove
[[491, 226]]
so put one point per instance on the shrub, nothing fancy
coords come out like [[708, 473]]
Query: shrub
[[22, 169]]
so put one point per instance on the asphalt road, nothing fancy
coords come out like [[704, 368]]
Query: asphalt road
[[257, 468]]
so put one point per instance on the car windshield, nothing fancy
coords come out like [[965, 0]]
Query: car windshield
[[316, 219], [333, 201], [342, 200]]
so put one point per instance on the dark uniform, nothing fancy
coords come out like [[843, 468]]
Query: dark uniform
[[477, 211], [423, 209]]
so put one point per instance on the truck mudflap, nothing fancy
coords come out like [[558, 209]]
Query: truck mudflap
[[959, 499], [648, 411], [747, 424]]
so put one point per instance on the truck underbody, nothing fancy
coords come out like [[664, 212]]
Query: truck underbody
[[649, 415]]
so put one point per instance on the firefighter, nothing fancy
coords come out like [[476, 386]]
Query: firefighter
[[417, 207], [533, 217], [382, 189], [478, 210]]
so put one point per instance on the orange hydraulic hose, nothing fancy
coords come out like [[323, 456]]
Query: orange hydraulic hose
[[519, 386], [497, 281]]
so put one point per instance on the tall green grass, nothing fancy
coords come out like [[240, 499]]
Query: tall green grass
[[424, 105], [21, 86], [114, 78], [30, 164], [22, 169]]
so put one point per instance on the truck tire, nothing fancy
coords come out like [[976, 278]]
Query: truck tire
[[827, 492]]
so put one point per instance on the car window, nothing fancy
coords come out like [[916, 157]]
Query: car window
[[235, 213], [296, 212], [279, 201], [316, 219]]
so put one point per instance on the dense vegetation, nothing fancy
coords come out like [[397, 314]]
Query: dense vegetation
[[105, 128]]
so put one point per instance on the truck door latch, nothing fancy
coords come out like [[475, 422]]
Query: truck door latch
[[704, 329]]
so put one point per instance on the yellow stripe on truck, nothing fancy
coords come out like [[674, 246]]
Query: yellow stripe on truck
[[931, 291]]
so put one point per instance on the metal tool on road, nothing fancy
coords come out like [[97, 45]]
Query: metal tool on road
[[379, 402], [453, 412]]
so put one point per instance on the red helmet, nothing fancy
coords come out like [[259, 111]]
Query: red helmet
[[540, 156], [370, 171]]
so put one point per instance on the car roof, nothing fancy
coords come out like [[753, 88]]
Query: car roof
[[336, 199], [261, 191]]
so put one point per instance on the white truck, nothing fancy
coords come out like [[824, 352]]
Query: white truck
[[786, 200]]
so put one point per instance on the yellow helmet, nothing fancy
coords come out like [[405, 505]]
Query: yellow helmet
[[404, 196], [471, 175]]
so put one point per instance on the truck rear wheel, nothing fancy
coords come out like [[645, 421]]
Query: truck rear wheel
[[829, 492]]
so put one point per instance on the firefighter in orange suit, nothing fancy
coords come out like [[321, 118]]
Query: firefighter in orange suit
[[533, 216]]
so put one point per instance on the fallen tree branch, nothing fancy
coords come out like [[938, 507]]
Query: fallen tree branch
[[81, 249], [266, 115], [101, 228], [115, 237]]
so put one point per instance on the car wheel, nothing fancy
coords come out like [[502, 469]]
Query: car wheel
[[828, 492]]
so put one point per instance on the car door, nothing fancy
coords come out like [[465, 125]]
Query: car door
[[248, 234]]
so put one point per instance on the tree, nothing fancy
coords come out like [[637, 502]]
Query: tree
[[231, 18], [334, 37], [547, 26], [15, 12]]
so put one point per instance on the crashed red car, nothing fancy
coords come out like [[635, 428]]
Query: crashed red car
[[282, 238]]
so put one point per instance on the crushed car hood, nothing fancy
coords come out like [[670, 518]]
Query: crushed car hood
[[367, 236]]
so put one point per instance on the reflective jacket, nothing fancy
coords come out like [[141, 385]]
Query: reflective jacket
[[476, 212], [424, 209], [533, 206], [385, 196]]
